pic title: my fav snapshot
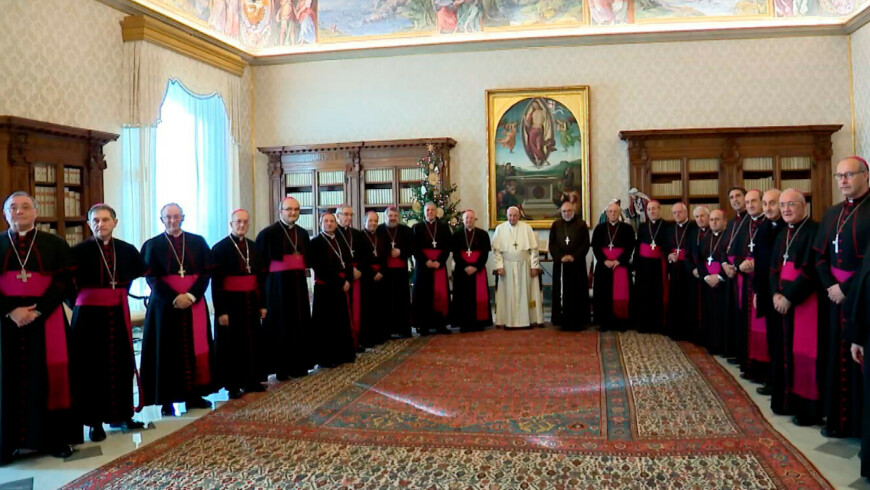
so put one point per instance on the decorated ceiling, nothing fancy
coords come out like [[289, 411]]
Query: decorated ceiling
[[298, 26]]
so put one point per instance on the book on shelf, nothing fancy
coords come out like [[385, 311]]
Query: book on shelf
[[406, 195], [802, 185], [46, 200], [704, 187], [332, 177], [703, 165], [411, 174], [72, 176], [44, 172], [72, 203], [74, 234], [379, 196], [306, 221], [796, 163], [382, 217], [758, 164], [331, 198], [763, 184], [297, 179], [673, 188], [304, 198], [665, 166], [379, 175], [45, 228], [666, 211]]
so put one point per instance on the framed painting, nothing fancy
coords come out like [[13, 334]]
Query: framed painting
[[538, 152]]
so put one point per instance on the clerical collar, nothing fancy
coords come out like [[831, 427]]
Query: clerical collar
[[330, 235], [613, 223], [716, 233], [774, 222], [682, 224], [741, 214], [288, 225], [23, 234], [859, 198], [756, 218], [237, 238], [791, 225], [105, 242], [652, 221], [702, 229], [471, 230], [175, 237]]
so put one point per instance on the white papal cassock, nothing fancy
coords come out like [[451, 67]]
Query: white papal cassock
[[518, 298]]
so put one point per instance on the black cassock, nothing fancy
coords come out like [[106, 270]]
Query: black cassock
[[570, 308], [287, 330], [373, 330], [714, 299], [611, 312], [743, 249], [803, 328], [237, 293], [696, 237], [735, 312], [430, 304], [764, 240], [101, 354], [857, 330], [176, 352], [356, 244], [650, 295], [681, 313], [837, 265], [397, 288], [35, 409], [332, 309], [471, 310]]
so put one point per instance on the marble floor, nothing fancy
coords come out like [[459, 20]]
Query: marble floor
[[836, 459]]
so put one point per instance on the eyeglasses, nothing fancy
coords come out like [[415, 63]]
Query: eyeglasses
[[848, 175], [24, 208], [790, 204], [173, 217]]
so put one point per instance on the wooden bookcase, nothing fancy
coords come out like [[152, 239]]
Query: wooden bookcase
[[60, 166], [698, 166], [368, 176]]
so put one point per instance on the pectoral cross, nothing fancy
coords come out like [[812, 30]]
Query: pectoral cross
[[709, 260], [515, 245], [678, 250], [181, 272], [836, 243], [784, 259], [751, 247], [248, 267], [652, 245], [23, 276], [567, 240], [434, 244], [113, 283], [468, 252], [610, 246], [392, 244]]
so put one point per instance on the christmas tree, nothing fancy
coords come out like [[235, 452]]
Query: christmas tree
[[430, 190]]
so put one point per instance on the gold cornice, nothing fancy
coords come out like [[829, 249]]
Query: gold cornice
[[145, 28]]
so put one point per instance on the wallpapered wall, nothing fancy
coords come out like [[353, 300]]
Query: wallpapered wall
[[639, 86], [861, 88], [69, 71]]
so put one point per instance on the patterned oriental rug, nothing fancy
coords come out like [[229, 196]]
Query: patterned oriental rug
[[493, 410]]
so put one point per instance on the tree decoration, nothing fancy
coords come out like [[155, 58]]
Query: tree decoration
[[429, 191]]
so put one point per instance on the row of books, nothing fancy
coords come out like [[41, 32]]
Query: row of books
[[379, 196], [379, 175], [803, 185], [704, 165], [406, 195], [74, 234], [72, 176], [297, 179], [706, 187], [304, 198], [673, 188], [72, 202], [331, 198], [44, 172], [665, 166], [334, 177], [796, 163], [411, 174], [757, 164], [762, 185], [306, 221], [46, 200]]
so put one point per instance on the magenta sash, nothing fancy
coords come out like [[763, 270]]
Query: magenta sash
[[481, 298], [648, 252], [200, 326], [289, 262], [681, 255], [840, 275], [396, 263], [805, 342], [440, 296], [714, 268], [107, 297], [620, 284], [56, 353], [240, 284]]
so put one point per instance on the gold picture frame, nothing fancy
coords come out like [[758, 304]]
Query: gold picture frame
[[538, 153]]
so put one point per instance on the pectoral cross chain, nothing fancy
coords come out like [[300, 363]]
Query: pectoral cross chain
[[784, 258], [23, 276]]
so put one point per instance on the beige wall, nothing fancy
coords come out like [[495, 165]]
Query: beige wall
[[638, 86], [62, 62], [861, 89]]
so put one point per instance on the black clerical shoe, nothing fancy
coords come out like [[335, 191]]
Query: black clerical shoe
[[282, 377], [443, 331], [764, 390], [97, 433], [804, 421], [129, 424], [197, 402], [257, 388], [733, 360], [167, 410], [832, 433], [66, 450], [235, 394]]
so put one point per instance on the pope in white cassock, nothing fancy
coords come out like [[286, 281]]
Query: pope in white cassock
[[518, 298]]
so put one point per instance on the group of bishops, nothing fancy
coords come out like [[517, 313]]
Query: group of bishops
[[58, 375]]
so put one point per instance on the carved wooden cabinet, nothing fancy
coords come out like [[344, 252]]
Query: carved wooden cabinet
[[698, 166], [368, 176], [60, 166]]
